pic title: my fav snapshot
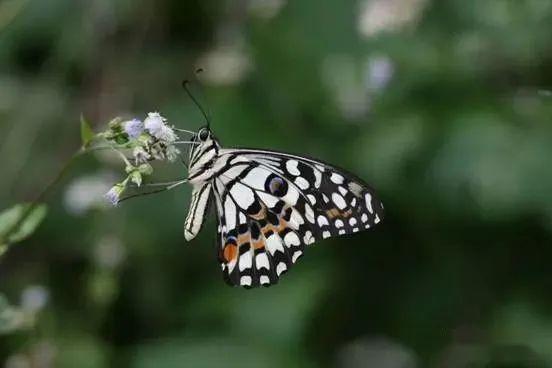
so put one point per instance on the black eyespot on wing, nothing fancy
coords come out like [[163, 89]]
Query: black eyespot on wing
[[275, 185]]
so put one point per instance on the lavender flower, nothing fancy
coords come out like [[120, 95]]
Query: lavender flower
[[114, 194], [133, 128]]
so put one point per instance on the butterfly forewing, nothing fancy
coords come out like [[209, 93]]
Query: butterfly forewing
[[271, 205]]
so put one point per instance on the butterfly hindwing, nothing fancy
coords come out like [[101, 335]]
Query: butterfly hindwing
[[271, 205]]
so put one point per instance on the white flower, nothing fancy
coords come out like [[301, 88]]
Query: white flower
[[140, 155], [167, 134], [114, 194], [154, 123], [172, 153], [133, 128]]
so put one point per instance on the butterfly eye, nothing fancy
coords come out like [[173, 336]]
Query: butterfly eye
[[276, 185], [203, 135]]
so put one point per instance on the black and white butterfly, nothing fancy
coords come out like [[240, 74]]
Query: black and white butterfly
[[270, 206]]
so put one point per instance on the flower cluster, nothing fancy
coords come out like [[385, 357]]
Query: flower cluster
[[138, 143]]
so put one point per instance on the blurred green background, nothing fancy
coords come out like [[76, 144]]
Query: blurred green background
[[444, 106]]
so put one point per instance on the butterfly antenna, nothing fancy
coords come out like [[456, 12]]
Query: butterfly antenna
[[185, 86], [202, 90]]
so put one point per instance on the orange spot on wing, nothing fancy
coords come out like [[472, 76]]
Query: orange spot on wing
[[258, 244], [230, 252], [334, 212], [243, 238]]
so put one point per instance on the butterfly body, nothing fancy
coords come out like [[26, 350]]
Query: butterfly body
[[270, 206]]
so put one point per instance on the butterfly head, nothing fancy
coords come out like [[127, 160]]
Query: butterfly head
[[203, 151]]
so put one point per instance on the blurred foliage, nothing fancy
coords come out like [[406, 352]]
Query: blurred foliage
[[19, 222], [443, 106]]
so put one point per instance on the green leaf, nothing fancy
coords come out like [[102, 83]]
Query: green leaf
[[25, 227], [87, 134]]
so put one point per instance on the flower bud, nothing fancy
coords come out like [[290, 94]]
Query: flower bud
[[114, 194]]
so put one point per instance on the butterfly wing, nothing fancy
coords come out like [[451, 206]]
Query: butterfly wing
[[271, 205], [198, 208]]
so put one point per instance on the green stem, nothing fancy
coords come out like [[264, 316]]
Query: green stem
[[41, 196]]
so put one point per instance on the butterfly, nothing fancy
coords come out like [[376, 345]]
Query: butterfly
[[271, 206]]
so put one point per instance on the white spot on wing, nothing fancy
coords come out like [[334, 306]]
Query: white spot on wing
[[308, 238], [296, 219], [339, 201], [291, 239], [342, 190], [230, 213], [291, 167], [296, 255], [280, 268], [243, 219], [245, 280], [273, 244], [336, 178], [302, 183], [261, 261], [268, 199], [317, 178], [245, 261], [309, 213], [242, 195], [368, 198], [256, 178], [291, 196], [326, 234], [322, 220]]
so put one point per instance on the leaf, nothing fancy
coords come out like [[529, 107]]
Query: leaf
[[11, 318], [26, 227], [87, 134]]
